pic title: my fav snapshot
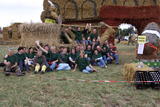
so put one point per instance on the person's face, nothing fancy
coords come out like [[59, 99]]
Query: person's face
[[79, 29], [39, 53], [10, 52], [69, 28], [65, 50], [96, 52], [66, 30], [81, 47], [53, 49], [73, 51], [26, 50], [98, 48], [110, 45], [89, 47], [106, 42], [104, 49], [31, 50], [77, 48], [22, 51], [46, 48], [81, 54], [94, 31]]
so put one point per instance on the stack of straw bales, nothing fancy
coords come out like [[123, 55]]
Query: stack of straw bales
[[129, 70], [46, 33], [79, 9], [11, 32]]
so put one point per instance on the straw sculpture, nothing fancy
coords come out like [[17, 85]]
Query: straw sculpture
[[46, 33], [109, 33], [152, 39]]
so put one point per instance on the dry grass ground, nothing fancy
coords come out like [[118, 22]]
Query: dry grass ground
[[44, 91]]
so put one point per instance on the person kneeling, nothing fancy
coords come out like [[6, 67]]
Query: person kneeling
[[40, 63], [84, 65]]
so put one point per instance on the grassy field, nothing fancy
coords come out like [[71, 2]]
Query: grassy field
[[44, 91]]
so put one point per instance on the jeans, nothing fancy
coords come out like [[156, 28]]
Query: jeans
[[87, 70], [116, 57], [88, 42], [63, 66], [23, 66], [78, 41], [53, 66], [101, 63]]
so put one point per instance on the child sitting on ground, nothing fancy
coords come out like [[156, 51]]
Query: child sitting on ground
[[40, 63]]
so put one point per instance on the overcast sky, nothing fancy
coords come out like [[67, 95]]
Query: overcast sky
[[20, 11]]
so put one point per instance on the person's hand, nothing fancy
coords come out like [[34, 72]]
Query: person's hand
[[5, 56], [37, 42]]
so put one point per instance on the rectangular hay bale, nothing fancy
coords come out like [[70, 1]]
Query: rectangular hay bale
[[46, 33]]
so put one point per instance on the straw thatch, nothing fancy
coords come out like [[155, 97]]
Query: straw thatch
[[129, 70], [46, 33]]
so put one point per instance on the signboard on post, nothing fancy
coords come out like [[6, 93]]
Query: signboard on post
[[141, 41]]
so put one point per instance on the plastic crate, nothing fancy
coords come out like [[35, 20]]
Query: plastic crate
[[155, 77], [140, 78]]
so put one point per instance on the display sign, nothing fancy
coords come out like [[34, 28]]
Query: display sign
[[142, 39]]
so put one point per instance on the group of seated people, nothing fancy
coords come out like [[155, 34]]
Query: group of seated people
[[45, 58], [87, 53]]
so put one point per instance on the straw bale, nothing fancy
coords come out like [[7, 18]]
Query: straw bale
[[70, 10], [46, 33], [148, 2], [89, 9], [130, 3], [129, 70], [108, 2], [5, 33], [15, 31]]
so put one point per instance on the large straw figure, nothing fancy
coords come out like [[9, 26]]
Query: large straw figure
[[49, 15], [152, 47]]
